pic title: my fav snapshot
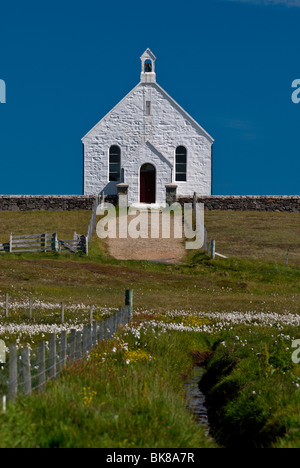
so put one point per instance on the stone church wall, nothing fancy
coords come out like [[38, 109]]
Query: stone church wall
[[166, 128]]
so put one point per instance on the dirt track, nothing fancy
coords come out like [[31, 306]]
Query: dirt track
[[171, 250]]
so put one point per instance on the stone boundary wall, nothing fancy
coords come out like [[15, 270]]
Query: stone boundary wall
[[45, 202], [277, 203], [214, 202], [48, 202]]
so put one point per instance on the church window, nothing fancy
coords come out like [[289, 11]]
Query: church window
[[180, 163], [114, 163], [148, 107]]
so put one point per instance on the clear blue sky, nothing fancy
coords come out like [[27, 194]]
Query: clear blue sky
[[229, 64]]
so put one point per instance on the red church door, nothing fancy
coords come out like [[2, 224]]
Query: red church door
[[147, 183]]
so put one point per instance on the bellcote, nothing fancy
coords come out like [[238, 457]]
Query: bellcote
[[148, 67]]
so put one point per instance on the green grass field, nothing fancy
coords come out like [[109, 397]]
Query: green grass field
[[252, 378], [248, 278], [256, 235]]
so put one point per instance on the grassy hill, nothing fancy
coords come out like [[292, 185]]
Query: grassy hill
[[256, 234]]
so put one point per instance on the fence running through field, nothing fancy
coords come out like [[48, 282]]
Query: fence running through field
[[29, 369]]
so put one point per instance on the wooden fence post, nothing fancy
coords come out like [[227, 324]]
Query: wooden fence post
[[84, 340], [41, 366], [42, 240], [123, 319], [287, 257], [63, 349], [115, 322], [91, 314], [13, 371], [10, 243], [119, 315], [30, 308], [78, 345], [113, 319], [205, 239], [105, 328], [101, 330], [126, 315], [94, 333], [6, 305], [26, 371], [110, 326], [55, 242], [62, 312], [213, 249], [89, 336], [72, 345], [129, 300], [52, 356]]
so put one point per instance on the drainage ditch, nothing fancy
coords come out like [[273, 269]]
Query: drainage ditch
[[196, 399]]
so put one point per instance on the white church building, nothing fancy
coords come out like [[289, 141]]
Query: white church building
[[147, 146]]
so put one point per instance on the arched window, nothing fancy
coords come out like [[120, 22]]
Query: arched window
[[114, 163], [180, 163]]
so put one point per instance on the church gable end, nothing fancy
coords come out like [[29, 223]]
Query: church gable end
[[147, 122]]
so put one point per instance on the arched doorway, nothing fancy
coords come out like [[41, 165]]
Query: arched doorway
[[147, 183]]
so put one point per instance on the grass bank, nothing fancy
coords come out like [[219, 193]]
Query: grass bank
[[129, 394], [252, 389]]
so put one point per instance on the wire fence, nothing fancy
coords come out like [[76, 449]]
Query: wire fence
[[33, 310], [28, 370]]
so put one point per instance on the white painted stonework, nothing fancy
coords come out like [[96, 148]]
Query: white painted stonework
[[151, 139]]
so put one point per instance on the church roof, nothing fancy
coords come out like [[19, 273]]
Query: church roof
[[148, 54]]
